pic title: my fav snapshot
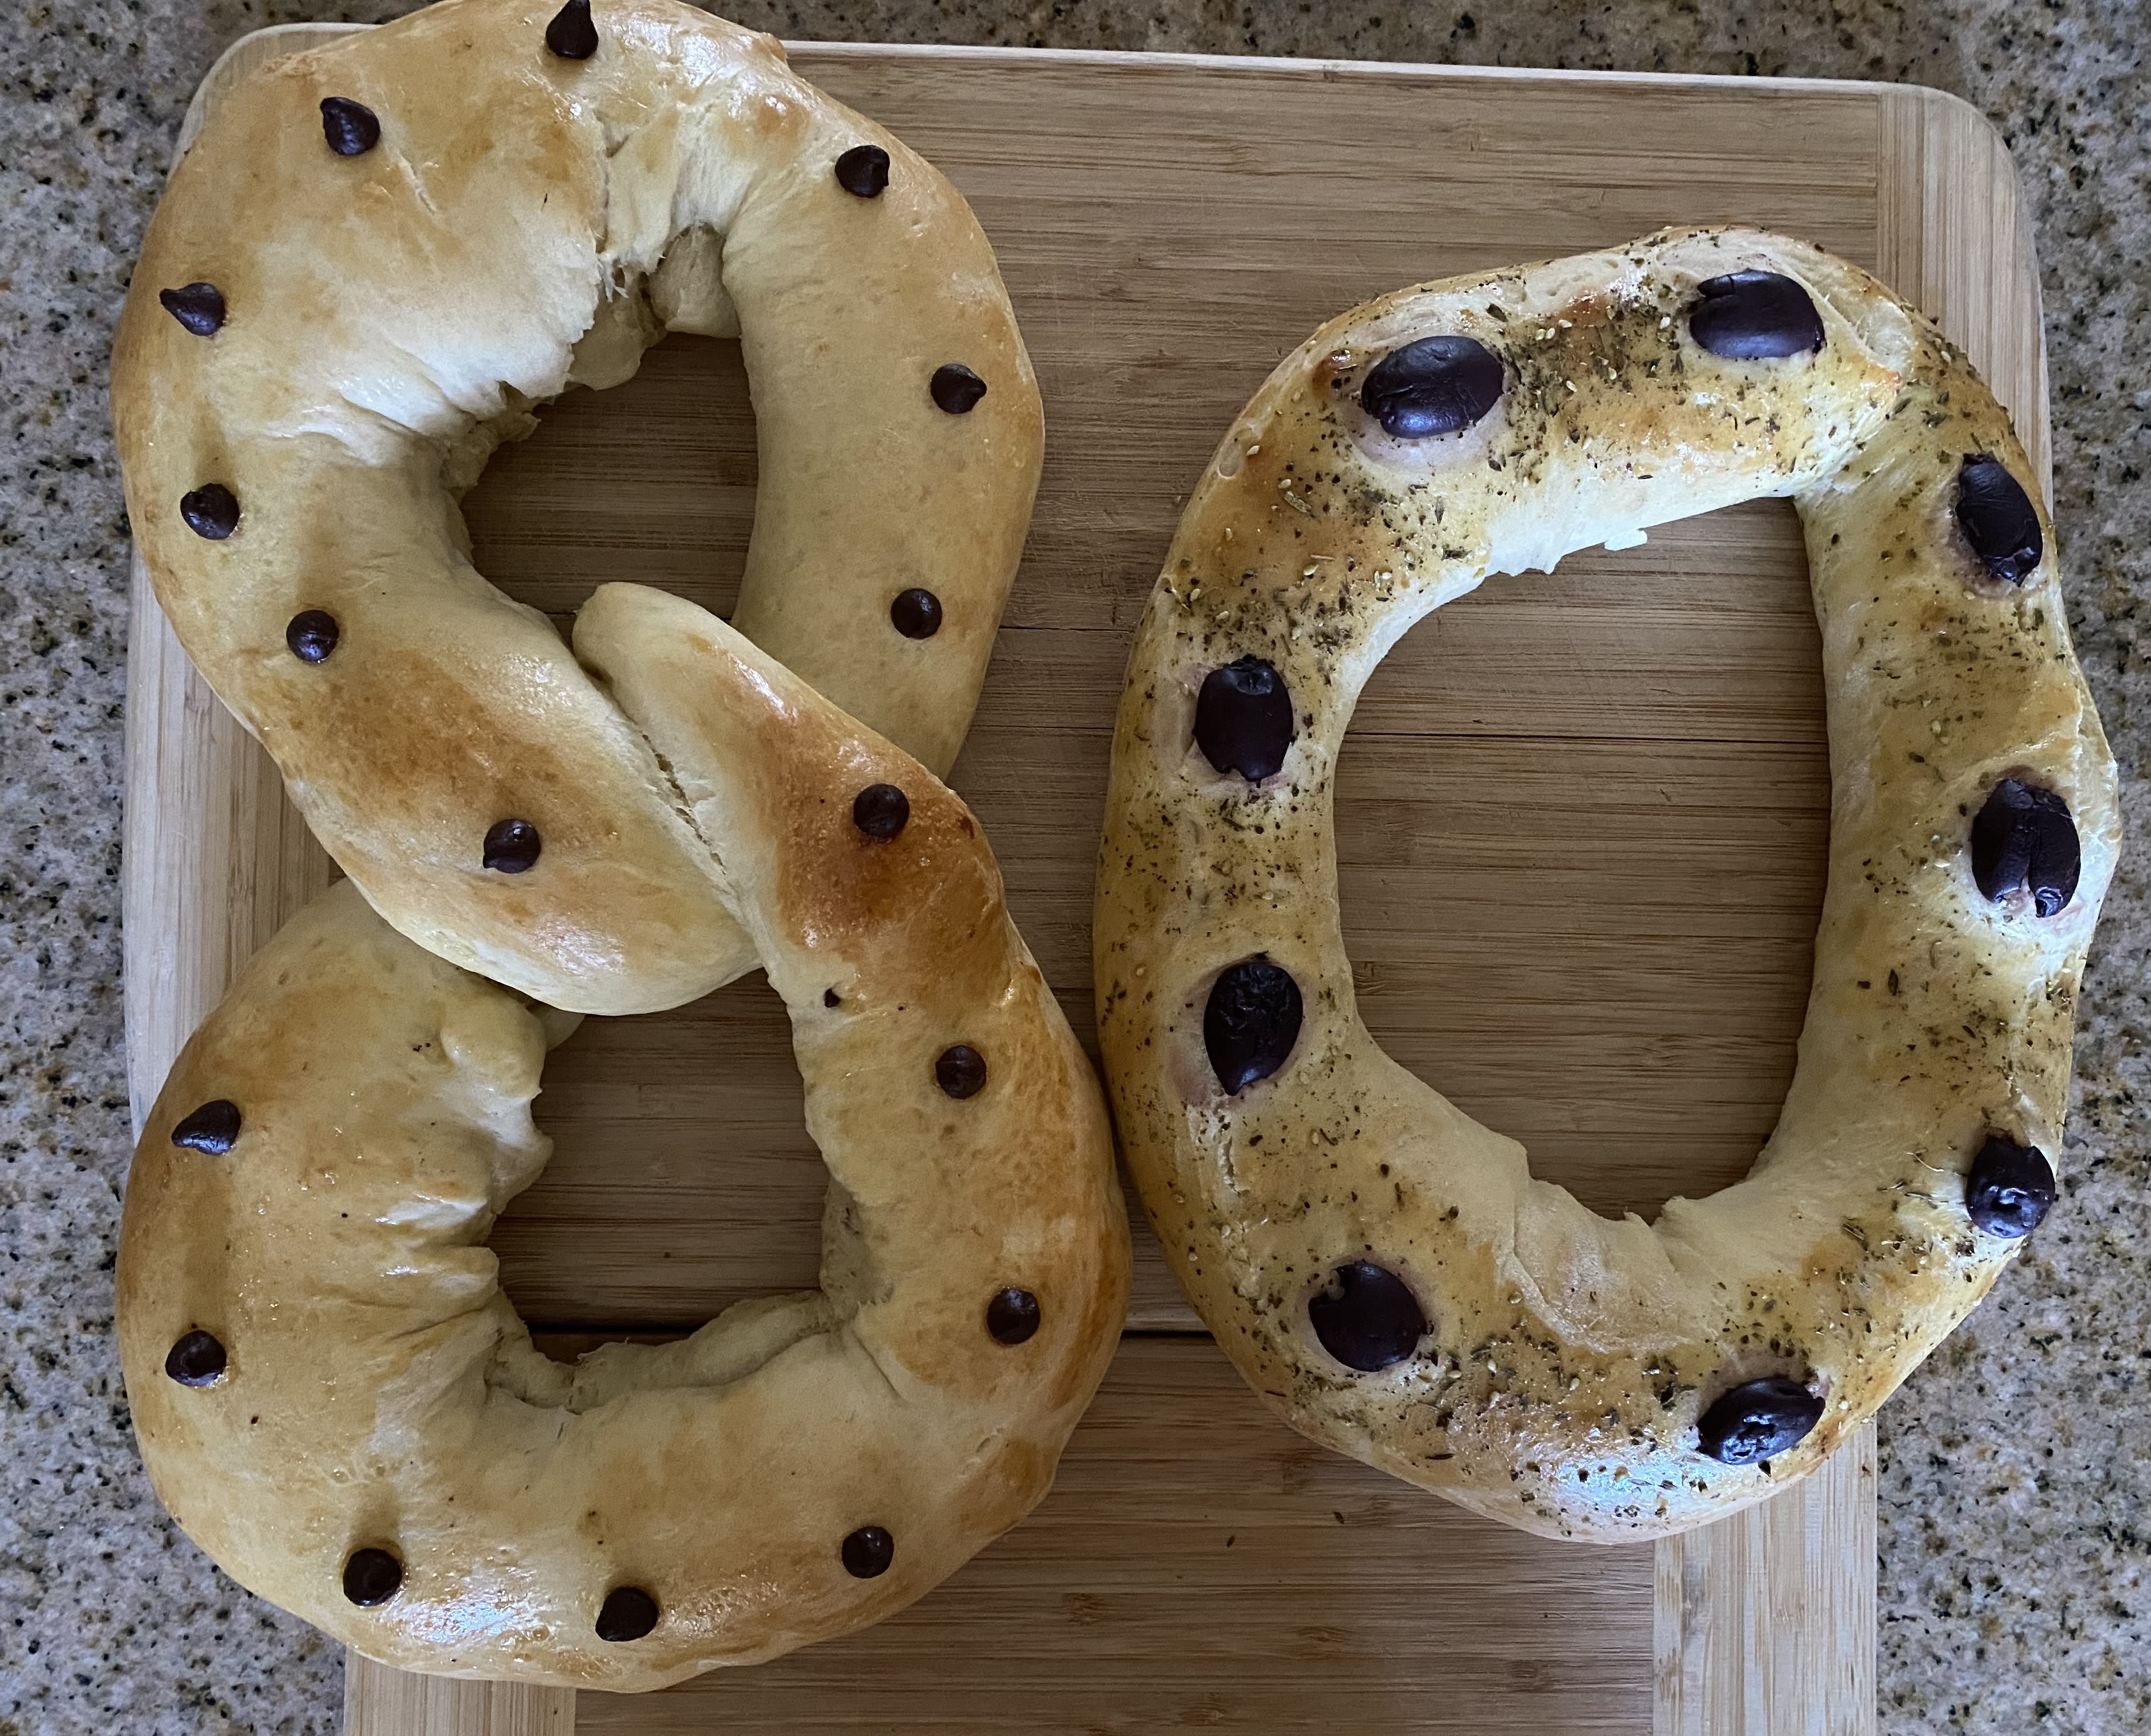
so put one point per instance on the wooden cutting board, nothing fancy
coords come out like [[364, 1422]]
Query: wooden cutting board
[[1582, 823]]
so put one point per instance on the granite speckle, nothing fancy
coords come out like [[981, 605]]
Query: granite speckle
[[2016, 1500]]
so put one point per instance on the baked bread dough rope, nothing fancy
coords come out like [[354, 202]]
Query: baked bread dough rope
[[377, 256], [1381, 1267], [335, 1399]]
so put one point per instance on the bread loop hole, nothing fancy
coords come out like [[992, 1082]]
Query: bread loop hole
[[1582, 824], [651, 481], [682, 1178]]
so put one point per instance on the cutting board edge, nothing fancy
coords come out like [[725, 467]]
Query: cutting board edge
[[257, 46]]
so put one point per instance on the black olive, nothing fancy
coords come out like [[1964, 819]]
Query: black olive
[[1436, 385], [1243, 719], [2009, 1188], [1754, 316], [1758, 1420], [1367, 1317], [2024, 841]]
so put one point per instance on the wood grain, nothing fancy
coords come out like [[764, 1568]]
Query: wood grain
[[379, 1701], [1952, 233], [1765, 1622], [1581, 820], [1219, 1574]]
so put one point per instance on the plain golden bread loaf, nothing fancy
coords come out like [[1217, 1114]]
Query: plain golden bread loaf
[[1380, 1266], [376, 257], [335, 1400]]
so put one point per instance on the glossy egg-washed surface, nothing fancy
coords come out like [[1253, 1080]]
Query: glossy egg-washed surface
[[376, 259], [335, 1400], [1383, 1269]]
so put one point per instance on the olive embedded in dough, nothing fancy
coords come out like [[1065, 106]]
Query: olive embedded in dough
[[372, 1577], [1436, 385], [572, 35], [211, 511], [630, 1612], [2024, 841], [863, 171], [1012, 1316], [1314, 1148], [198, 307], [1754, 316], [916, 613], [868, 1552], [512, 847], [960, 1070], [881, 811], [214, 1127], [1367, 1317], [1243, 719], [196, 1359], [1250, 1022], [351, 128], [1758, 1420], [1998, 520], [311, 634], [956, 389], [2009, 1188]]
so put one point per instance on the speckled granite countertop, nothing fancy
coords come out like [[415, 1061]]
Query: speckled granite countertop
[[2016, 1498]]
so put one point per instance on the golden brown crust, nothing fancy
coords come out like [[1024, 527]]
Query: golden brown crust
[[1570, 1358], [525, 223], [379, 1391]]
